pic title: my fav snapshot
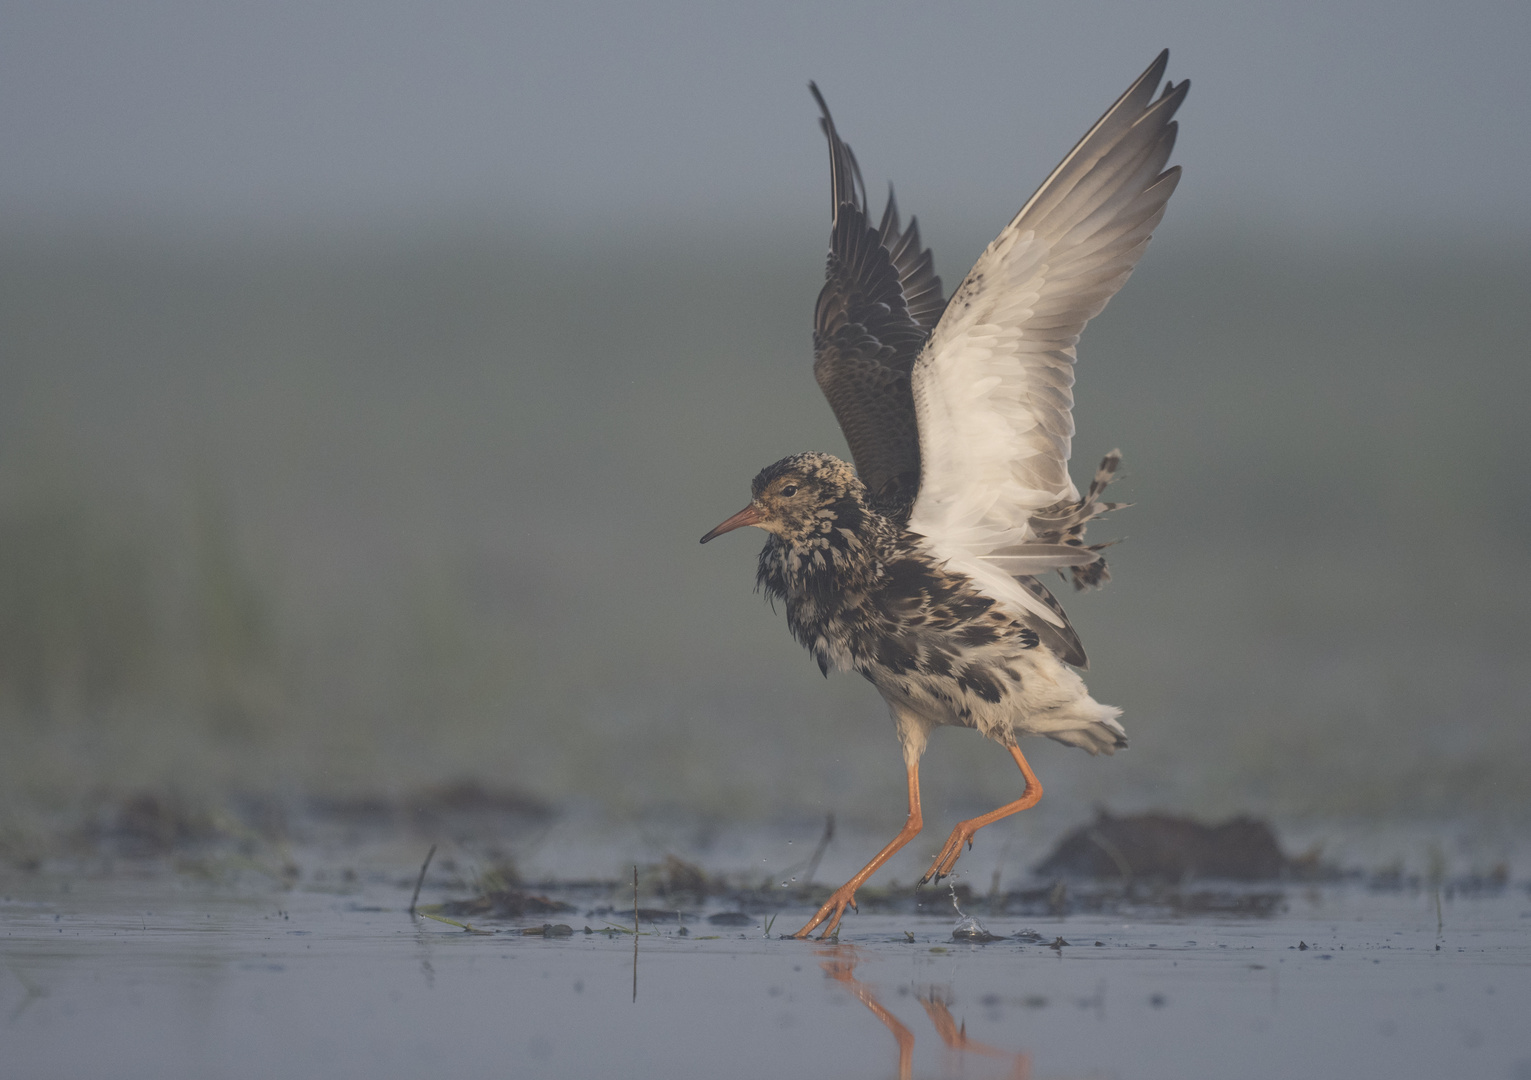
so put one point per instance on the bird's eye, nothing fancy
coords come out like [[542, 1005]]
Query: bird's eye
[[789, 491]]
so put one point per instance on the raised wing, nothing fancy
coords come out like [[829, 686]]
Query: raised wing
[[880, 301], [992, 387]]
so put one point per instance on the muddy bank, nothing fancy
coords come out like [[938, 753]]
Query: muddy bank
[[1111, 864]]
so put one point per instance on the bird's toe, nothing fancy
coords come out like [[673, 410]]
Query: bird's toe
[[830, 914]]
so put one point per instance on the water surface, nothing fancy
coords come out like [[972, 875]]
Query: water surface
[[146, 972]]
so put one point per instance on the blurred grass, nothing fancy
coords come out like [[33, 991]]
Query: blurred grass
[[233, 628], [363, 516], [78, 629]]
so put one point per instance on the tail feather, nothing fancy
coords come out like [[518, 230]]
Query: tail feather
[[1101, 734], [1070, 715]]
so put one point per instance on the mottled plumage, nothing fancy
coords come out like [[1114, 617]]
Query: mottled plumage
[[918, 567], [862, 594]]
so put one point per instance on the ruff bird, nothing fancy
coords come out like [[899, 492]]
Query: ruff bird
[[919, 567]]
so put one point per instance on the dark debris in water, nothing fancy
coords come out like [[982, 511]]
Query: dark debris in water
[[732, 918], [648, 915], [1106, 898], [552, 930], [689, 894], [507, 903]]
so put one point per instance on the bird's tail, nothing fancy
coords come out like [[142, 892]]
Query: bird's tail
[[1090, 726], [1060, 707]]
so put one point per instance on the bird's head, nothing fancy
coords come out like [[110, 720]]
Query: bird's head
[[800, 497]]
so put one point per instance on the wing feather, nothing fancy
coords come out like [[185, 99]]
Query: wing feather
[[993, 386], [880, 301]]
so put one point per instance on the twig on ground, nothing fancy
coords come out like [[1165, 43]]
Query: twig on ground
[[420, 881]]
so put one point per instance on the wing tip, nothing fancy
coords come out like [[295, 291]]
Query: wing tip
[[1151, 77], [1157, 70], [845, 182], [813, 88]]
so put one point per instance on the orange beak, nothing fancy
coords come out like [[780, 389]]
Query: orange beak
[[748, 516]]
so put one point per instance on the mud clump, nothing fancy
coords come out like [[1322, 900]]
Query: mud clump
[[1159, 847], [506, 903]]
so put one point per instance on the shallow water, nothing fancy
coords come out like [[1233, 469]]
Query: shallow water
[[156, 973]]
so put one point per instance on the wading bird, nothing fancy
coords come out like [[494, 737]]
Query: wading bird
[[918, 568]]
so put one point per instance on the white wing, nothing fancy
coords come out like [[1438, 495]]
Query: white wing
[[992, 387]]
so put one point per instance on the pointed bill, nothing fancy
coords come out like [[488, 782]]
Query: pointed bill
[[748, 516]]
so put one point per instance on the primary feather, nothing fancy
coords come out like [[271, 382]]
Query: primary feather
[[880, 300]]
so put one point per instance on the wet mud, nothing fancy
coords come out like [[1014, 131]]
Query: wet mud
[[1159, 847]]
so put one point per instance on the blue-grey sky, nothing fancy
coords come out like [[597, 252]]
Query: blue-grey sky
[[1331, 114]]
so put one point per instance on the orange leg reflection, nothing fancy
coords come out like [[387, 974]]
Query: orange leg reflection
[[840, 964], [956, 1038], [963, 833], [841, 967], [845, 895]]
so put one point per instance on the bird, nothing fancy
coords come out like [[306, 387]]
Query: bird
[[918, 566]]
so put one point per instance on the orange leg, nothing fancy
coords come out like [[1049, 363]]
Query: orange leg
[[845, 895], [963, 833]]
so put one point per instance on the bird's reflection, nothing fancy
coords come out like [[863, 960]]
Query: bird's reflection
[[839, 963]]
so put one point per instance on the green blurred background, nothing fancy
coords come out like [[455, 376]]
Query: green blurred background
[[367, 377]]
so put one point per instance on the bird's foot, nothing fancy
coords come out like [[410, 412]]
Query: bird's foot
[[962, 834], [843, 897]]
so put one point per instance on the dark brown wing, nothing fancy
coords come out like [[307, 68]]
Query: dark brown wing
[[880, 301]]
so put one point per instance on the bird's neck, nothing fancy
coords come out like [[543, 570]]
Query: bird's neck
[[818, 567]]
